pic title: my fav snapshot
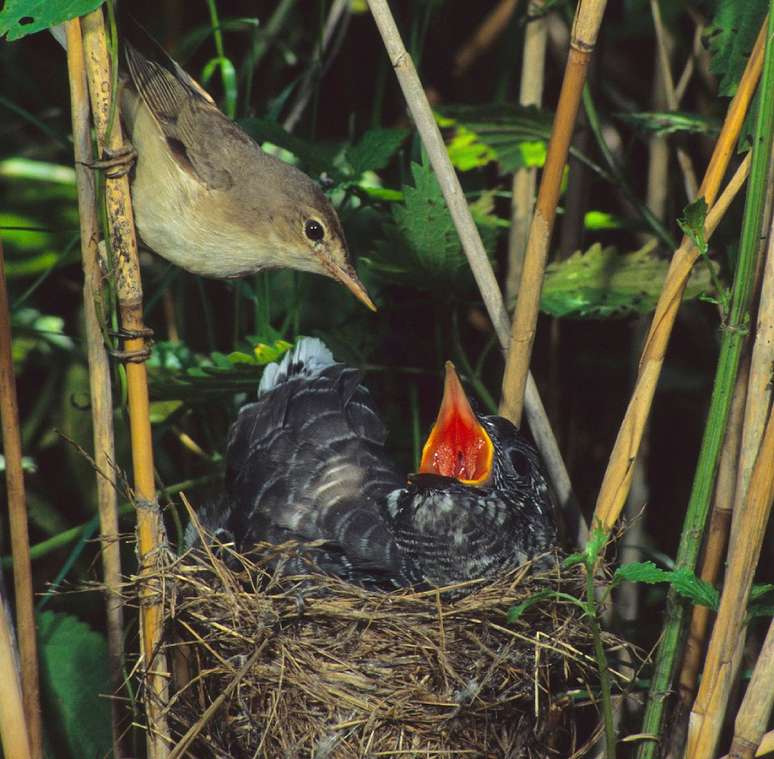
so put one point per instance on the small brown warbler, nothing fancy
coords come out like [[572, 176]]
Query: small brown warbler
[[208, 198]]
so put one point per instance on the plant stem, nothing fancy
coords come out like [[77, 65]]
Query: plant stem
[[13, 726], [151, 538], [99, 372], [604, 673], [471, 241], [617, 479], [586, 25], [734, 333], [20, 539]]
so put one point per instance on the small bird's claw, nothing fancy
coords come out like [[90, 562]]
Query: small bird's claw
[[115, 163]]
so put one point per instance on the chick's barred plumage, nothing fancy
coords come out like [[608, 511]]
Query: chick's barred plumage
[[455, 532], [307, 462]]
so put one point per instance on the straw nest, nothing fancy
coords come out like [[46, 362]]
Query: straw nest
[[278, 666]]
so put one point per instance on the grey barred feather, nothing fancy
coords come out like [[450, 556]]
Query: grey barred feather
[[307, 462]]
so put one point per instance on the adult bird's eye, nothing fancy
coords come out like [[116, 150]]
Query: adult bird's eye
[[314, 230], [520, 462]]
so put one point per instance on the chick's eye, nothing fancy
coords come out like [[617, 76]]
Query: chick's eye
[[314, 230], [520, 462]]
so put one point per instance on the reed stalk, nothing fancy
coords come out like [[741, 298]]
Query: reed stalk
[[753, 716], [20, 538], [712, 562], [99, 369], [617, 478], [151, 538], [471, 241], [13, 723], [723, 653], [734, 332], [585, 28], [525, 179]]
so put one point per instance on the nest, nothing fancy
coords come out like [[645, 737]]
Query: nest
[[278, 666]]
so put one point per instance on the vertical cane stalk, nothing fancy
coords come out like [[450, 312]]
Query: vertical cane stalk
[[585, 28], [99, 367], [20, 538], [150, 527]]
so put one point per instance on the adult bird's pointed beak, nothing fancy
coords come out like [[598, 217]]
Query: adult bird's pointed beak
[[458, 446], [348, 277]]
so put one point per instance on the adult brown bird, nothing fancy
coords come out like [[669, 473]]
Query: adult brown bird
[[207, 197]]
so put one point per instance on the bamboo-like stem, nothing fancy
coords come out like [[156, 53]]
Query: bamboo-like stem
[[617, 479], [730, 351], [483, 37], [20, 538], [588, 19], [714, 556], [759, 390], [99, 369], [471, 241], [525, 179], [707, 715], [753, 716], [686, 165], [13, 725], [150, 528]]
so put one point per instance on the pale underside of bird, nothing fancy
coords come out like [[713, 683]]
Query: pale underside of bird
[[307, 462]]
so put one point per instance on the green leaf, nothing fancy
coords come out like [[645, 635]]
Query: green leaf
[[731, 37], [515, 612], [422, 248], [514, 136], [602, 282], [466, 151], [75, 681], [228, 78], [759, 590], [670, 122], [18, 18], [692, 223], [685, 582], [375, 149]]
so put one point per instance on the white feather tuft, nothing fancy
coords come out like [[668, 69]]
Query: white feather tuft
[[308, 358]]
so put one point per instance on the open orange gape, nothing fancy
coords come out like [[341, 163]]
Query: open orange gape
[[458, 445]]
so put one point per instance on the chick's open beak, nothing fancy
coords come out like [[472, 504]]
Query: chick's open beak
[[458, 446], [348, 277]]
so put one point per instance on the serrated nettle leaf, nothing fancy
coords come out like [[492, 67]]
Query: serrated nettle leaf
[[602, 282], [730, 39], [18, 18], [670, 122], [685, 582], [375, 149], [74, 679], [692, 223]]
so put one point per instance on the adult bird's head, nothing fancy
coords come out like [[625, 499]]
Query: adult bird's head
[[480, 451]]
